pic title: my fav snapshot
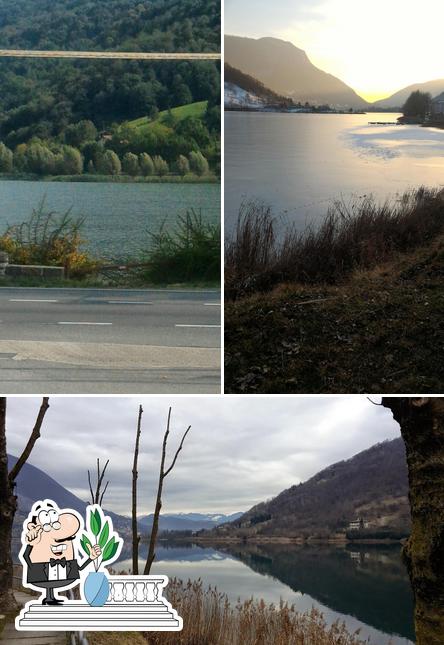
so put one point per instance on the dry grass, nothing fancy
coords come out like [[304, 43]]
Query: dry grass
[[210, 619], [381, 330], [360, 236]]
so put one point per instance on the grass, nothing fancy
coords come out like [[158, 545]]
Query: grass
[[145, 124], [360, 236], [210, 619], [370, 321], [190, 251]]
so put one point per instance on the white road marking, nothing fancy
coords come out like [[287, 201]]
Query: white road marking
[[84, 323], [212, 304], [30, 300], [128, 302], [218, 326]]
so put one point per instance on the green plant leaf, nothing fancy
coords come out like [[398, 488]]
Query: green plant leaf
[[94, 525], [98, 520], [110, 550], [84, 541], [104, 535]]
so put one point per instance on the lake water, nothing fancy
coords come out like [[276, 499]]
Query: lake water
[[300, 163], [366, 587], [118, 216]]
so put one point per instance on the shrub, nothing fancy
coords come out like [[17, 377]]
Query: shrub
[[191, 251], [47, 238]]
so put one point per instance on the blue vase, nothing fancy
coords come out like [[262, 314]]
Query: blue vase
[[96, 589]]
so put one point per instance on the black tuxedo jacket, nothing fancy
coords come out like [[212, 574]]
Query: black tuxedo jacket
[[38, 571]]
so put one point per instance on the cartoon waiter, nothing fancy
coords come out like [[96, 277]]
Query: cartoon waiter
[[48, 553]]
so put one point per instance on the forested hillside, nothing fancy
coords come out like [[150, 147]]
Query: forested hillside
[[48, 99], [125, 25], [371, 485]]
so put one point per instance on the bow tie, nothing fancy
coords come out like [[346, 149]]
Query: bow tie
[[53, 562]]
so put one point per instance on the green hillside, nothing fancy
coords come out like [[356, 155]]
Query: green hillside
[[160, 125]]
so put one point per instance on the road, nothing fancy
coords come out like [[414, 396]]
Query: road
[[78, 341]]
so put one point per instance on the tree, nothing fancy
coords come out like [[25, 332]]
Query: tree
[[160, 166], [39, 159], [146, 164], [182, 165], [8, 500], [417, 105], [97, 497], [163, 474], [135, 533], [69, 162], [109, 163], [78, 133], [422, 427], [130, 164], [6, 158], [198, 163]]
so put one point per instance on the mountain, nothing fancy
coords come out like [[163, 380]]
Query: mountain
[[372, 485], [33, 484], [245, 91], [189, 521], [399, 98], [286, 70]]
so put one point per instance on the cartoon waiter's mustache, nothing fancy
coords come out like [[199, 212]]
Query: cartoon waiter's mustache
[[67, 539]]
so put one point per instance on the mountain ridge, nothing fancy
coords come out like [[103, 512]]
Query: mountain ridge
[[372, 484], [298, 78]]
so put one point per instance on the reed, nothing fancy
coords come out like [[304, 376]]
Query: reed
[[360, 235], [209, 618]]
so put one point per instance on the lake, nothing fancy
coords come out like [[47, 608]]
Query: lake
[[300, 163], [367, 587], [117, 215]]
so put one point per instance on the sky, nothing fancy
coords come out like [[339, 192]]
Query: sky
[[376, 47], [240, 450]]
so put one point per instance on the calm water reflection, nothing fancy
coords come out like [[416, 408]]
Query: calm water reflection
[[367, 587], [300, 163], [117, 215]]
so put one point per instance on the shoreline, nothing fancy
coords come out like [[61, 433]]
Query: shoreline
[[117, 179], [339, 540]]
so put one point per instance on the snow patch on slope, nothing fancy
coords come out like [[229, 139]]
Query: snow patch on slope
[[235, 96]]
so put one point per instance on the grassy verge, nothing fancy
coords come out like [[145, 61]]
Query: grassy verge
[[185, 255], [210, 619], [366, 326]]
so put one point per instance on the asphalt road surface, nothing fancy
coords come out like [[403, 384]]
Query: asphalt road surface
[[77, 341]]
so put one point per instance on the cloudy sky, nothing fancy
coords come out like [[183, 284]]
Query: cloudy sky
[[240, 450], [376, 47]]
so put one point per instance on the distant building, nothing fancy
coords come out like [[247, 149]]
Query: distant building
[[358, 525], [437, 108]]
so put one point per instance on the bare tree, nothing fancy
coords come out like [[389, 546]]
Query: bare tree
[[136, 536], [97, 497], [422, 428], [162, 476], [8, 501]]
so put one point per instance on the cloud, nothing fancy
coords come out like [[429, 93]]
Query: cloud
[[241, 450]]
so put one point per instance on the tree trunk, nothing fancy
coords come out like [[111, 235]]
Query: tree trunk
[[8, 506], [136, 537], [422, 428], [155, 527]]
